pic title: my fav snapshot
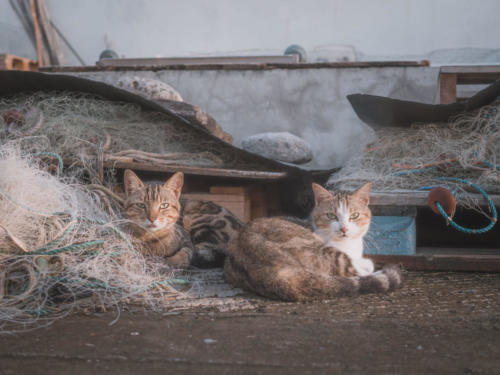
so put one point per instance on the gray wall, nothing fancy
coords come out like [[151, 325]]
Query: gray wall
[[149, 28], [310, 103]]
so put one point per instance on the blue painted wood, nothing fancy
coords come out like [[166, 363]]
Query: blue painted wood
[[392, 235]]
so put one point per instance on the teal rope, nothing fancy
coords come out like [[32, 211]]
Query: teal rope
[[54, 155], [493, 209], [414, 171], [74, 247]]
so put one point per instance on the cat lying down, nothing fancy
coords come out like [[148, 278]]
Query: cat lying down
[[293, 260], [184, 232]]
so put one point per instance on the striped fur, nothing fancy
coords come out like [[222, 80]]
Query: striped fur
[[283, 258], [184, 232]]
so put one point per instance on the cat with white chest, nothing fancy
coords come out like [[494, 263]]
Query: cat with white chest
[[295, 260], [342, 219]]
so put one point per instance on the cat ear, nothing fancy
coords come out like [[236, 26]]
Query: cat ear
[[175, 183], [363, 193], [320, 193], [131, 182]]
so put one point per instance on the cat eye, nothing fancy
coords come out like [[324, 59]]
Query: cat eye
[[164, 205], [141, 205], [354, 216], [331, 216]]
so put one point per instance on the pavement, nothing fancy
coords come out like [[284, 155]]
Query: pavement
[[437, 323]]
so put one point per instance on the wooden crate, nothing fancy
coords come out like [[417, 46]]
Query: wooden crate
[[451, 76], [12, 62], [235, 198]]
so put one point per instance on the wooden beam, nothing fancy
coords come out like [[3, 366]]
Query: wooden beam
[[38, 34], [482, 263], [417, 198], [464, 69], [166, 61], [287, 66], [447, 88], [200, 171]]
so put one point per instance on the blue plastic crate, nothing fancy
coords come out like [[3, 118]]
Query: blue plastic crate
[[391, 235]]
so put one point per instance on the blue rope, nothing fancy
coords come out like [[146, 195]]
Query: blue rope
[[493, 209], [414, 171], [54, 155]]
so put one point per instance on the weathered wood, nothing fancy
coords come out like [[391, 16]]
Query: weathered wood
[[465, 69], [332, 65], [238, 204], [482, 263], [417, 198], [166, 61], [447, 88], [12, 62], [42, 60], [201, 171], [451, 76]]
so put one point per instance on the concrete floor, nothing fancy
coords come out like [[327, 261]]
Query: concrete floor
[[439, 323]]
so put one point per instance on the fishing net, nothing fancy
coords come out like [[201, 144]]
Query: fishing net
[[60, 251], [80, 126], [415, 158], [62, 247]]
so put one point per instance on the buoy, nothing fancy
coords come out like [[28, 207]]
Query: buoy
[[445, 198]]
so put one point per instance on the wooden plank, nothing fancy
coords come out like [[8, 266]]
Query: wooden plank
[[38, 34], [482, 263], [12, 62], [200, 171], [477, 78], [447, 88], [456, 251], [330, 65], [166, 61], [237, 204], [464, 69], [239, 190], [417, 198]]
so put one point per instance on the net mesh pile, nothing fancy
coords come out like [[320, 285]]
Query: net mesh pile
[[59, 251], [62, 247], [78, 125], [467, 147]]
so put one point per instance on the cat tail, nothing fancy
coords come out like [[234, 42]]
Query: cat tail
[[385, 280]]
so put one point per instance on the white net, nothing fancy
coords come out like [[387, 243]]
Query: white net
[[467, 147], [60, 251]]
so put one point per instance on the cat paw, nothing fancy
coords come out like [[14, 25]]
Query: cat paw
[[181, 259], [363, 266]]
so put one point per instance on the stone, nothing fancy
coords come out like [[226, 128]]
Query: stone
[[152, 89], [282, 146]]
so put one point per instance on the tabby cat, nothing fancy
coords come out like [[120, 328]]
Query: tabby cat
[[183, 231], [322, 257]]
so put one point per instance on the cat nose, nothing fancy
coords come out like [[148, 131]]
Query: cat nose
[[343, 229], [152, 217]]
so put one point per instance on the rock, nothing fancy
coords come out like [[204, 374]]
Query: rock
[[281, 146], [149, 88]]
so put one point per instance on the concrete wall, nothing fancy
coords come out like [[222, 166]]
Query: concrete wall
[[310, 103], [149, 28]]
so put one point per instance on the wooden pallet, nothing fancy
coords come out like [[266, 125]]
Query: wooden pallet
[[451, 76], [451, 258], [12, 62]]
